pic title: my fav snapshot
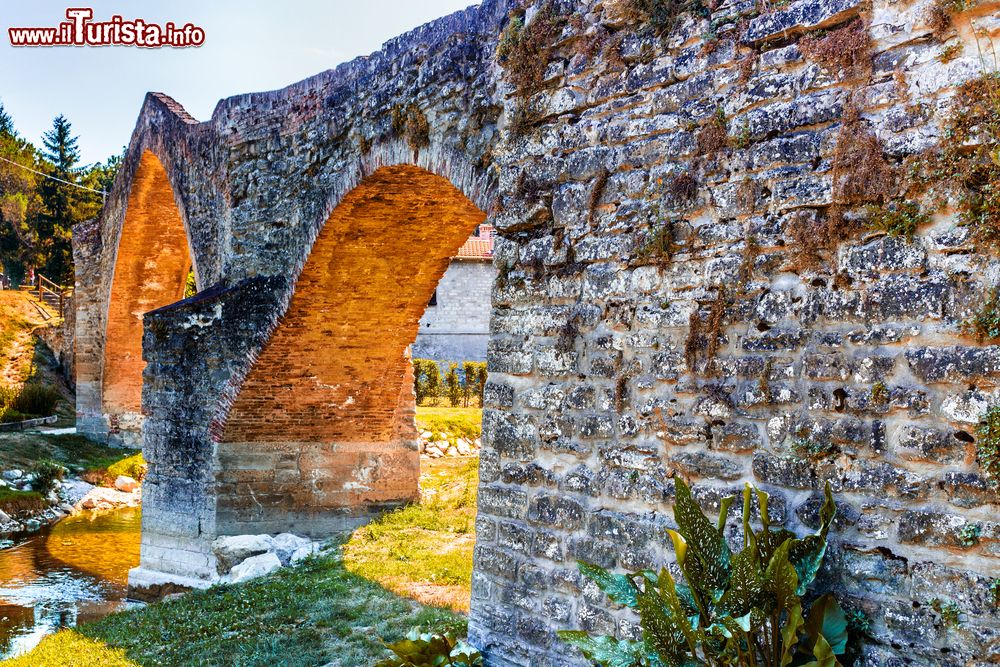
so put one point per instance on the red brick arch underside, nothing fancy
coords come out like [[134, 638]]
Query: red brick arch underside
[[151, 268], [324, 419]]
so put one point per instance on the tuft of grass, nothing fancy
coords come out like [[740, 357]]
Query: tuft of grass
[[659, 16], [897, 218], [658, 246], [424, 550], [713, 135]]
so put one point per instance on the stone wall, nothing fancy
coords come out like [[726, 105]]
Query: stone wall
[[672, 300], [705, 268], [456, 327]]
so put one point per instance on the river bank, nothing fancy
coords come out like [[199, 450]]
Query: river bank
[[333, 608], [43, 478]]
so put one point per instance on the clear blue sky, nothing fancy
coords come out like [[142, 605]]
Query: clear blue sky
[[250, 45]]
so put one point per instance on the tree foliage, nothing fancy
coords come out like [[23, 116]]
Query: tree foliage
[[37, 213]]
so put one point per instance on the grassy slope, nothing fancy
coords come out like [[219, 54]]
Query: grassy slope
[[312, 614], [22, 450], [424, 550], [17, 319]]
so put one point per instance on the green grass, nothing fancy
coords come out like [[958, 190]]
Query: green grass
[[424, 550], [457, 422], [70, 649], [307, 615], [22, 450]]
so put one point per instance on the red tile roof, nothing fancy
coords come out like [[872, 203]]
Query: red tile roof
[[478, 247]]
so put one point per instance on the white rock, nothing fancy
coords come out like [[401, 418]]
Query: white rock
[[126, 484], [426, 435], [286, 544], [253, 567], [234, 549], [11, 475], [452, 451], [73, 490], [4, 517], [304, 552], [463, 448]]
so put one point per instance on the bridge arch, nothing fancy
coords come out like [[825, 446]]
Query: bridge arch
[[320, 431], [150, 269]]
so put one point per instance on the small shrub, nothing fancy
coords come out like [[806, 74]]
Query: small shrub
[[949, 612], [985, 323], [658, 246], [744, 608], [682, 188], [525, 50], [36, 400], [659, 16], [995, 592], [897, 218], [940, 16], [190, 286], [426, 650], [950, 52], [134, 466], [880, 393], [713, 136], [969, 535], [47, 476], [861, 173], [845, 50], [988, 446]]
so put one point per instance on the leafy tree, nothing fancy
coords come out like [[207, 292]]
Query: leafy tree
[[426, 379], [453, 385]]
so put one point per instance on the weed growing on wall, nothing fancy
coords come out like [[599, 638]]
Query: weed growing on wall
[[897, 218], [988, 446], [846, 50], [525, 48]]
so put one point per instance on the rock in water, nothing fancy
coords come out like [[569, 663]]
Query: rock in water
[[236, 548], [256, 566]]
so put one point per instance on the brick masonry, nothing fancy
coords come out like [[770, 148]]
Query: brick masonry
[[592, 404]]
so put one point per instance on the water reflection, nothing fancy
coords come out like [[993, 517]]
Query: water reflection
[[73, 574]]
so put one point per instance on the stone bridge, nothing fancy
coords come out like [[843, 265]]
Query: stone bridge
[[687, 285]]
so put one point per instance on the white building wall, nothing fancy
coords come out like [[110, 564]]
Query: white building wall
[[458, 326]]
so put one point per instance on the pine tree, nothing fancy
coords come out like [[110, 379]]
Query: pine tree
[[65, 204], [6, 122]]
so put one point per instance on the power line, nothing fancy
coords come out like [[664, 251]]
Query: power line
[[50, 176]]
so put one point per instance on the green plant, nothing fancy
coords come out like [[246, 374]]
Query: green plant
[[190, 286], [14, 502], [430, 650], [897, 218], [46, 476], [133, 466], [988, 446], [813, 449], [524, 49], [950, 52], [995, 592], [858, 622], [426, 380], [949, 612], [659, 16], [985, 323], [969, 535], [880, 393], [731, 609], [453, 386], [658, 246], [35, 400]]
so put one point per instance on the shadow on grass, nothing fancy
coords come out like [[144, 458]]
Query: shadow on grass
[[311, 614]]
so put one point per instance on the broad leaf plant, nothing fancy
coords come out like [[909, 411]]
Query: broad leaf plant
[[743, 609]]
